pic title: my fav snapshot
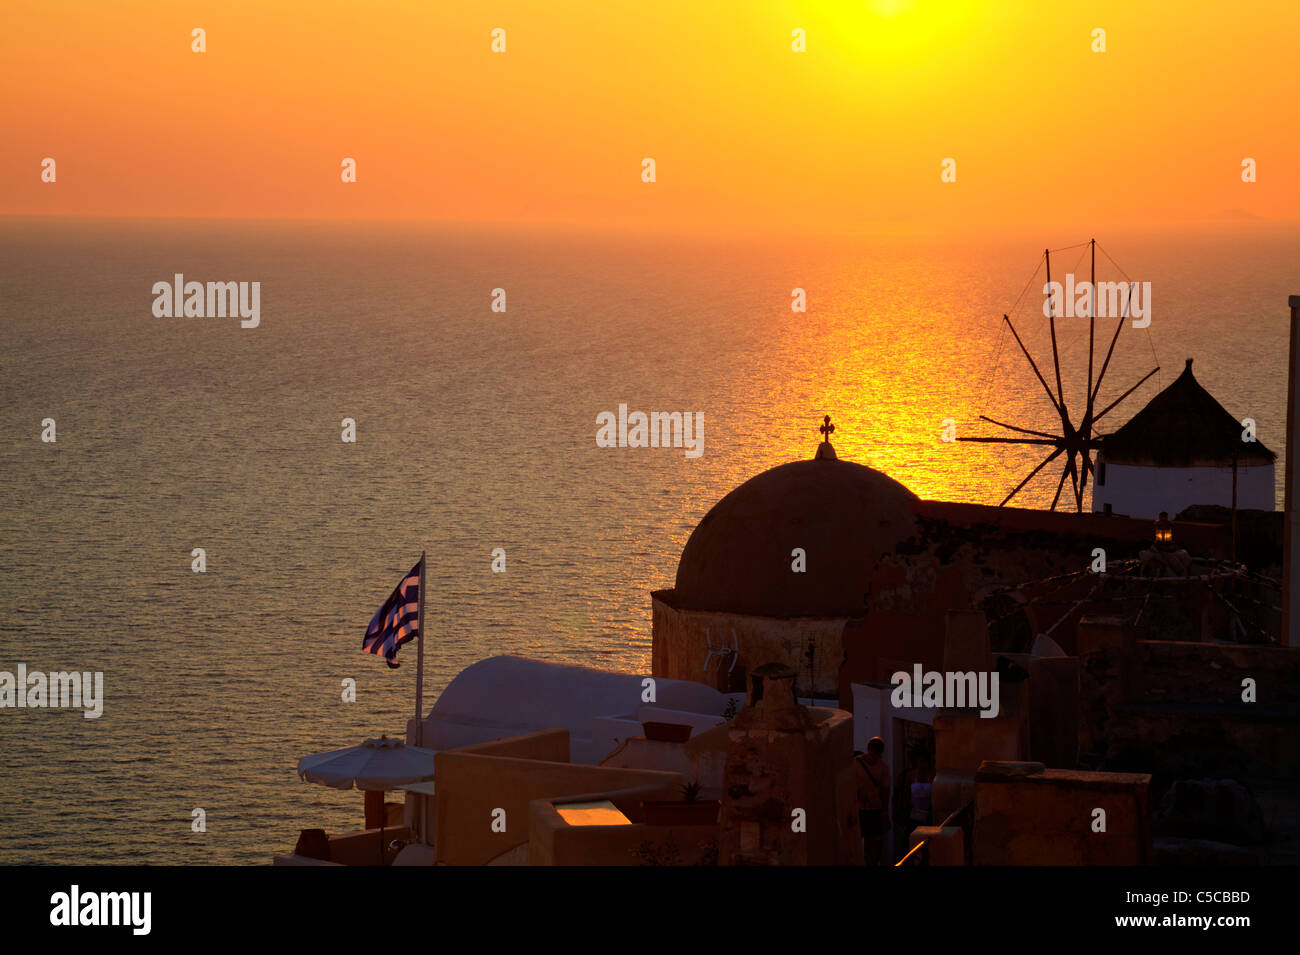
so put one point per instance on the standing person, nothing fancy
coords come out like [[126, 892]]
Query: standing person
[[873, 798]]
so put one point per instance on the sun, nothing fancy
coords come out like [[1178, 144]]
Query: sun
[[884, 34], [890, 8]]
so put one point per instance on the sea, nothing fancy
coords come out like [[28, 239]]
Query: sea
[[476, 431]]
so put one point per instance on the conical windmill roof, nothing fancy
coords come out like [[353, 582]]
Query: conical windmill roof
[[1182, 427]]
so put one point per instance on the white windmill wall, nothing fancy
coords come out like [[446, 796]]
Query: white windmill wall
[[1143, 491]]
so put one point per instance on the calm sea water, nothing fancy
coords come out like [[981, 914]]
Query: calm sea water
[[475, 431]]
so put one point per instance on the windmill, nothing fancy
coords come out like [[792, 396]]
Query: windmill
[[1076, 441]]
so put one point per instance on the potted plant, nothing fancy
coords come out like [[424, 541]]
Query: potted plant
[[691, 810], [667, 732]]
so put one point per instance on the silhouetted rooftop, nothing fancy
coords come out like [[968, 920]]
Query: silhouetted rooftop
[[1183, 426]]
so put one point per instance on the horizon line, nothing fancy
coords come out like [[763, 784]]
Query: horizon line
[[914, 228]]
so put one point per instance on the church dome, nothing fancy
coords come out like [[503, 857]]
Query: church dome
[[844, 516]]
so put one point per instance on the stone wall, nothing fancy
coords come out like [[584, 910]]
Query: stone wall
[[510, 774], [553, 842], [961, 554], [681, 639], [1028, 815], [789, 789], [1172, 671], [964, 740], [1054, 711], [1176, 709]]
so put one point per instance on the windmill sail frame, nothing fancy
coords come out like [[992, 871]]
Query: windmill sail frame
[[1077, 442]]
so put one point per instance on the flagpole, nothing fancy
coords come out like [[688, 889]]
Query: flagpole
[[419, 662]]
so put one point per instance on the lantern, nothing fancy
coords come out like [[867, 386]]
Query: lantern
[[1164, 532]]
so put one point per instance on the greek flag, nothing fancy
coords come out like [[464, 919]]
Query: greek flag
[[398, 620]]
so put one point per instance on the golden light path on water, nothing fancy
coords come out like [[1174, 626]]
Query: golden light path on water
[[898, 352]]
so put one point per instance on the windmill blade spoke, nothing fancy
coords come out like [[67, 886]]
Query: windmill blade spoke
[[1064, 474], [1041, 464], [1014, 440], [1092, 327], [1110, 351], [1032, 364], [1077, 441], [1011, 427], [1051, 319], [1126, 394]]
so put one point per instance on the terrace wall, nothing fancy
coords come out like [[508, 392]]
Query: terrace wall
[[1028, 815], [510, 774]]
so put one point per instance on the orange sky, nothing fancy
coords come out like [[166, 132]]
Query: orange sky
[[748, 135]]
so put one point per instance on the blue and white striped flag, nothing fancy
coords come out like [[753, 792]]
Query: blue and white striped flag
[[398, 620]]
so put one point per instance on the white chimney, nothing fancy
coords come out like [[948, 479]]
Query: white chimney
[[1291, 521]]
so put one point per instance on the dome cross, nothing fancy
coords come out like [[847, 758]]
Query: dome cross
[[827, 429]]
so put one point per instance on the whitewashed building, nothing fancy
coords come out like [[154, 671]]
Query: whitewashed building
[[1183, 448]]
